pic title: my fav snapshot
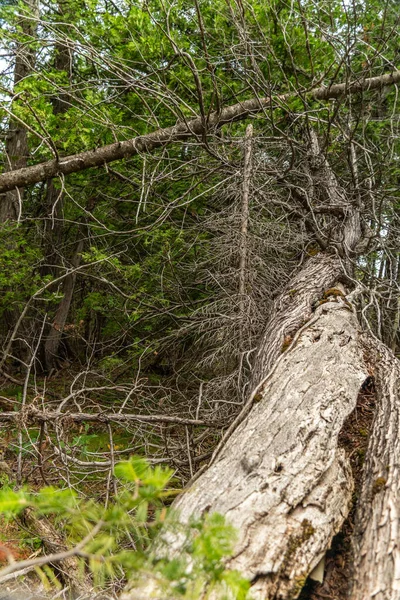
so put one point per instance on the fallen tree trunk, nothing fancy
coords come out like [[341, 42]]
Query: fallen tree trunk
[[281, 479], [293, 308]]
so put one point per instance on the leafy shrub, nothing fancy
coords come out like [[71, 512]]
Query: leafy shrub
[[120, 538]]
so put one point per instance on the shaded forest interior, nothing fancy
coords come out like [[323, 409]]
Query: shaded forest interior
[[187, 191]]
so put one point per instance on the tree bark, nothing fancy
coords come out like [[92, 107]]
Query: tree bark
[[293, 308], [376, 536], [282, 478], [16, 147], [55, 197], [181, 131], [54, 233], [52, 345]]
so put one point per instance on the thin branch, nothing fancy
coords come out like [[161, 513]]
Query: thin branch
[[52, 416], [50, 558]]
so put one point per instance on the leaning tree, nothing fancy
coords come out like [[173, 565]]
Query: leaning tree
[[313, 449]]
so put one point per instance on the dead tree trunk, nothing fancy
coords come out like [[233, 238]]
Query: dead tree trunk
[[282, 478], [283, 481], [293, 308], [280, 475], [53, 341], [55, 225], [181, 131]]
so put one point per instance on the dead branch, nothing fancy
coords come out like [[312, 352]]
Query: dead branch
[[52, 416]]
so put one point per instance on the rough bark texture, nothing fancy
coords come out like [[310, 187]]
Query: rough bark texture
[[53, 234], [293, 308], [281, 479], [180, 131], [53, 206], [52, 345], [376, 537]]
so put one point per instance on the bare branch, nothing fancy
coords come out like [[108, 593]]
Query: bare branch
[[52, 416]]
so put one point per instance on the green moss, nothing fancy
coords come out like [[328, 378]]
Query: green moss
[[379, 485], [333, 292], [296, 541], [299, 583], [308, 529], [361, 454]]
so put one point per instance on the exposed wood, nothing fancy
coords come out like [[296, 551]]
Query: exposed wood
[[180, 131]]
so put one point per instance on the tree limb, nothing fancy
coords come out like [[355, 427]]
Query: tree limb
[[183, 130], [52, 416]]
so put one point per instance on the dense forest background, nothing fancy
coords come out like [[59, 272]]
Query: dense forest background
[[135, 293]]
